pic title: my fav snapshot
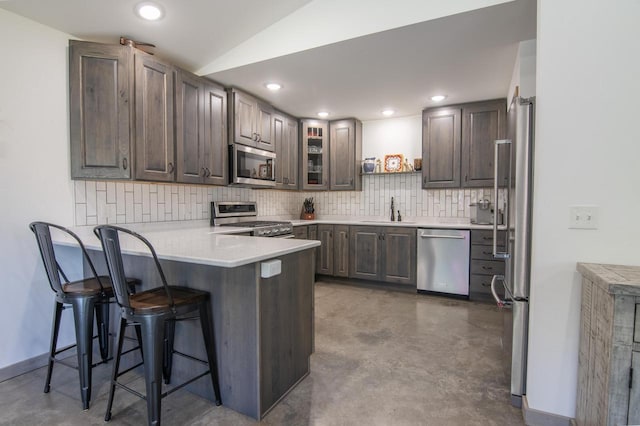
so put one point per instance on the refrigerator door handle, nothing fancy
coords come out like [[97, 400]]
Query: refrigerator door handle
[[501, 302], [496, 169]]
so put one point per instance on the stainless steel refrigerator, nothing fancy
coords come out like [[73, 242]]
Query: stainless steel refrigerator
[[511, 290]]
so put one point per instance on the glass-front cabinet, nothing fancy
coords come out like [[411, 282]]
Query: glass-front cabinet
[[315, 154]]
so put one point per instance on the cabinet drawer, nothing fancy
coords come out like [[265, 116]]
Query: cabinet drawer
[[480, 284], [483, 252], [487, 267], [636, 328], [485, 237]]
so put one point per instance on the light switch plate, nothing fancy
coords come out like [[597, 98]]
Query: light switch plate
[[583, 217]]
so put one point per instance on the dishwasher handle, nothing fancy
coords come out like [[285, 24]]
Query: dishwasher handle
[[448, 237]]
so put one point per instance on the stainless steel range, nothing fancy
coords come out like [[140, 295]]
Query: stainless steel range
[[243, 214]]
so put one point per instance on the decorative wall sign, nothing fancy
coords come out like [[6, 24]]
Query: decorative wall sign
[[393, 162]]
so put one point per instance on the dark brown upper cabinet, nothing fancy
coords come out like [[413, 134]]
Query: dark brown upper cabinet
[[330, 154], [100, 78], [154, 141], [482, 124], [286, 145], [252, 121], [201, 136], [458, 144], [345, 150], [441, 148], [314, 155]]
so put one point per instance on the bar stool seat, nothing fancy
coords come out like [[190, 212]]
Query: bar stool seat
[[87, 296], [90, 286], [156, 300], [155, 311]]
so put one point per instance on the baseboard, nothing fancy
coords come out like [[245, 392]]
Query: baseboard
[[541, 418], [23, 367]]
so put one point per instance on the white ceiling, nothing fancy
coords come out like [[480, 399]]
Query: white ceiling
[[191, 34], [468, 56]]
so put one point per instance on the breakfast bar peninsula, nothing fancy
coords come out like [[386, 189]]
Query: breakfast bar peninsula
[[261, 298]]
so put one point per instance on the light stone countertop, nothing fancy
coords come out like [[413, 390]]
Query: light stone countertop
[[614, 279], [195, 242], [422, 222]]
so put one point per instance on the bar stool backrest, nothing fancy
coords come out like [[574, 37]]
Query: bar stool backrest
[[109, 237], [42, 231]]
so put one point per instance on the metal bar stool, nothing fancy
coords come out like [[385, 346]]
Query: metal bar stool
[[85, 296], [153, 310]]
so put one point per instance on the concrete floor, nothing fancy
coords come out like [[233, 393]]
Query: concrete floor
[[382, 358]]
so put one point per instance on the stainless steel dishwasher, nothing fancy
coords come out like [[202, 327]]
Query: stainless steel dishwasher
[[443, 261]]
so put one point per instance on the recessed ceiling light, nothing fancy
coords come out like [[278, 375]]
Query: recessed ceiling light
[[323, 114], [438, 98], [273, 86], [388, 112], [149, 11]]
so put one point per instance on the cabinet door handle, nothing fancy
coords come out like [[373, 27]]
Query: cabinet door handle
[[346, 236], [487, 268], [351, 181], [171, 168], [204, 172], [259, 137], [125, 163], [424, 180], [208, 172]]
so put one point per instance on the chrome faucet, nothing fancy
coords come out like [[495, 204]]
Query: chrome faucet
[[393, 214]]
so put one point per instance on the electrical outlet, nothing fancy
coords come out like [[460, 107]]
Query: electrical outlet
[[583, 217]]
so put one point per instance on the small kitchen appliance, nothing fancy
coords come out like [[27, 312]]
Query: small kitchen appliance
[[251, 167], [243, 215], [482, 212]]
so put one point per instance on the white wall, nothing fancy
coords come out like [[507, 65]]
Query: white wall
[[402, 135], [524, 71], [587, 151], [34, 176]]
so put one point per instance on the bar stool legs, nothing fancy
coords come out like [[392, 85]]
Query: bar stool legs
[[169, 337], [83, 308], [154, 356], [102, 320], [210, 345], [55, 328]]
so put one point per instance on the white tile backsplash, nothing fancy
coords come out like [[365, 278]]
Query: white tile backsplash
[[127, 202]]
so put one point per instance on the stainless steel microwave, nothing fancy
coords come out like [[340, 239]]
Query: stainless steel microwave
[[251, 166]]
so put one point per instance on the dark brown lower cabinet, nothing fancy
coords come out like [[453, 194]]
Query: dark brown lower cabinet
[[365, 253], [301, 232], [324, 259], [341, 250], [383, 253], [333, 254]]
